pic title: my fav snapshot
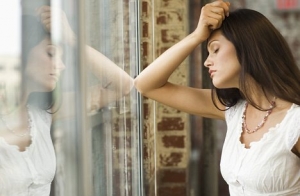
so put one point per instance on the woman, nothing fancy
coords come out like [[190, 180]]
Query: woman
[[27, 158], [256, 90]]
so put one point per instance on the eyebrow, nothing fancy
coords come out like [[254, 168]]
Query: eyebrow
[[211, 42], [54, 45]]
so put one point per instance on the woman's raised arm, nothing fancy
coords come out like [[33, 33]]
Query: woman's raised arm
[[153, 81]]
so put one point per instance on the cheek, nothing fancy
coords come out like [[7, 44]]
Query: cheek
[[36, 70], [229, 61], [228, 73], [39, 64], [232, 71]]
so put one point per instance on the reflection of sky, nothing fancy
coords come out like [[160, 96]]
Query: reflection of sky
[[10, 34]]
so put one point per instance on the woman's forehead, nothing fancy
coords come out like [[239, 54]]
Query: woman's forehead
[[215, 34], [48, 42]]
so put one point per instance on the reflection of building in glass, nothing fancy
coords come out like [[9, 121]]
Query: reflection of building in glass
[[10, 77]]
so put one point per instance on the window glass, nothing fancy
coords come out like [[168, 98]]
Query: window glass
[[69, 113]]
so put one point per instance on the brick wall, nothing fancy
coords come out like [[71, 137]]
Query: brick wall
[[166, 131], [172, 153]]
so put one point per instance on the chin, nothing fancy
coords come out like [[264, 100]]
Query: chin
[[223, 85], [47, 89], [50, 89], [219, 85]]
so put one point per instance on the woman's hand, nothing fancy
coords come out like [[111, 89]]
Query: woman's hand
[[211, 18], [44, 14]]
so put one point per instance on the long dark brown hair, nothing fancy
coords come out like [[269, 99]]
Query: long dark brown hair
[[264, 55], [33, 33]]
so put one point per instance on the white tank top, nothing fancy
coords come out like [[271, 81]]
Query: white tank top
[[268, 167], [29, 173]]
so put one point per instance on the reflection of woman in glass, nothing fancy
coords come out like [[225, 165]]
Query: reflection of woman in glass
[[27, 158]]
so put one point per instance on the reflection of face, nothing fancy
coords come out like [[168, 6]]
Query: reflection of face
[[224, 67], [43, 67]]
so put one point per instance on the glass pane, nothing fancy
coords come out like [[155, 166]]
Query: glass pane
[[10, 57], [112, 30], [15, 133], [69, 115]]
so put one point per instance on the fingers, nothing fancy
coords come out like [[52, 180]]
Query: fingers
[[213, 14], [44, 15], [44, 11], [223, 5]]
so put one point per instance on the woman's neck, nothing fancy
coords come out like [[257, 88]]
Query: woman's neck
[[263, 100]]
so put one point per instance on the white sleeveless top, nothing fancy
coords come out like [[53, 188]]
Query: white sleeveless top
[[268, 167], [29, 173]]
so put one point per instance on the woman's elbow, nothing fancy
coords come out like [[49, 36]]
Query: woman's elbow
[[138, 86], [127, 86]]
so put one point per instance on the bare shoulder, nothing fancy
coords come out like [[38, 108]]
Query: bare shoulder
[[187, 99]]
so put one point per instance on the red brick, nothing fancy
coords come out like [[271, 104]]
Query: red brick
[[167, 38], [145, 48], [120, 142], [145, 9], [145, 152], [162, 18], [170, 124], [145, 30], [146, 111], [162, 50], [173, 141], [119, 125], [172, 176], [173, 159]]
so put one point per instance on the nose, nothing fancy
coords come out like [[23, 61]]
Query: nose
[[59, 65], [207, 62]]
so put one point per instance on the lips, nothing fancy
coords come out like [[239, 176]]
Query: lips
[[54, 75], [211, 72]]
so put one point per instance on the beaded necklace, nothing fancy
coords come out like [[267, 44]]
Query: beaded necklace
[[13, 131], [268, 112]]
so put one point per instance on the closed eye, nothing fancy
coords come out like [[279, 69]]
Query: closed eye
[[50, 54], [54, 51], [51, 50]]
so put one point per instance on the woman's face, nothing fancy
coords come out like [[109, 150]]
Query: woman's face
[[222, 62], [44, 67]]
